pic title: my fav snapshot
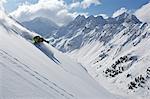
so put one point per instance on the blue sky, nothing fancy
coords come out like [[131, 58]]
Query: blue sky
[[64, 11], [107, 6], [110, 6]]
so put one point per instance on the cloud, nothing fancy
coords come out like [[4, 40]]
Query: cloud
[[55, 10], [103, 15], [1, 4], [119, 12], [143, 13], [87, 3], [75, 5], [84, 4]]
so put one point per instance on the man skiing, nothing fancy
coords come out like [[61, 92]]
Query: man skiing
[[38, 39]]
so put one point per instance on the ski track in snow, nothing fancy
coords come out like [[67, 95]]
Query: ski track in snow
[[35, 74]]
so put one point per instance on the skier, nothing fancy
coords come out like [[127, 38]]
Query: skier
[[38, 39]]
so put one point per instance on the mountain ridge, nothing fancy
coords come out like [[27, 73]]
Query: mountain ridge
[[89, 24]]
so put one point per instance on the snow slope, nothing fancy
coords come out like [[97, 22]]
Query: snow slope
[[115, 51], [40, 72]]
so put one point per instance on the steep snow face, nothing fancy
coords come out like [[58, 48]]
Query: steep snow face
[[41, 72], [115, 52], [42, 26]]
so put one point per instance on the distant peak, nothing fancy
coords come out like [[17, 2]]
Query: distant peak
[[100, 18], [41, 19], [80, 17], [91, 17], [123, 15], [128, 16]]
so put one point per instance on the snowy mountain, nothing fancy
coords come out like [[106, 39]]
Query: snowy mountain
[[40, 72], [85, 30], [42, 26], [115, 51]]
